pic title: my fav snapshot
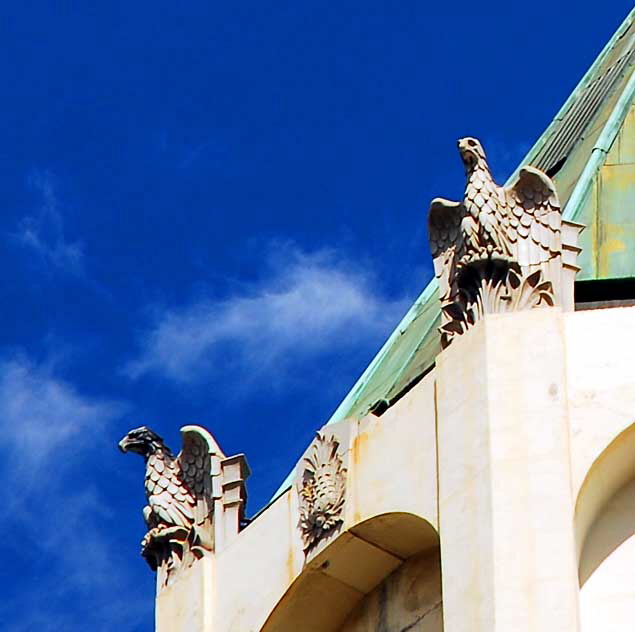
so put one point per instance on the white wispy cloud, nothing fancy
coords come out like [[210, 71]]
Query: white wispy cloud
[[307, 304], [42, 232], [49, 413], [51, 436]]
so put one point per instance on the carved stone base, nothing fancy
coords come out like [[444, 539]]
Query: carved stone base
[[492, 286], [170, 550]]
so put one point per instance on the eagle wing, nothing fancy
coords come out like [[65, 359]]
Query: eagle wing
[[447, 244], [171, 502], [195, 460], [534, 218]]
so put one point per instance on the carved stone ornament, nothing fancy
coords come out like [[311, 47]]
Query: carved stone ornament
[[501, 249], [321, 491], [180, 509]]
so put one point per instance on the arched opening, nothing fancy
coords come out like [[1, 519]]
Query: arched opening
[[408, 599], [344, 576], [611, 470], [605, 528]]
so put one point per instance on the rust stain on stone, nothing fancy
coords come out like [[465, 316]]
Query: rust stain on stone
[[357, 454], [289, 561]]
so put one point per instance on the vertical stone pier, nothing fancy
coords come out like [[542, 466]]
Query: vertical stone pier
[[187, 604], [505, 497]]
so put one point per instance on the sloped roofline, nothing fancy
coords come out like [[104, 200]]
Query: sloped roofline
[[602, 145], [570, 212], [586, 79]]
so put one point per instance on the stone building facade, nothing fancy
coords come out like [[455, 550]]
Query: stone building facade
[[484, 481]]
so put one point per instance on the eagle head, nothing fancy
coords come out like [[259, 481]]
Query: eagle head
[[471, 151], [143, 441]]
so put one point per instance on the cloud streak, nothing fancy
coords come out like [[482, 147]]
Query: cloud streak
[[305, 306], [43, 232], [48, 412], [62, 527]]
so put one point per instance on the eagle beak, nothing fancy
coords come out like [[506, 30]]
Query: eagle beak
[[123, 444]]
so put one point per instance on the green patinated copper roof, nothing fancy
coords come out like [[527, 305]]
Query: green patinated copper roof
[[589, 151]]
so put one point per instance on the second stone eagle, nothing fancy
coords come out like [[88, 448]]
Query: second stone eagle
[[520, 224]]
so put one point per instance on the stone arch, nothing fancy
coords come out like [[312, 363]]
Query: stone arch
[[410, 598], [598, 528], [354, 563]]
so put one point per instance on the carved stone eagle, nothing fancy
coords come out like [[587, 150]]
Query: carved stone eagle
[[520, 223], [500, 248], [179, 491]]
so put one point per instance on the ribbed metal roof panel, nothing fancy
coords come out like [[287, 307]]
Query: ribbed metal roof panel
[[563, 151], [581, 113]]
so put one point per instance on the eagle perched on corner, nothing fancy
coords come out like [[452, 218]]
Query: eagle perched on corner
[[519, 223], [178, 489]]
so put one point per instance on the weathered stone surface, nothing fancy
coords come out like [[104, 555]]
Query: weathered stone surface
[[409, 599], [513, 458], [505, 493]]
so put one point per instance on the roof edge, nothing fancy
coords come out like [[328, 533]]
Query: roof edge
[[586, 78], [349, 400], [596, 159], [568, 212]]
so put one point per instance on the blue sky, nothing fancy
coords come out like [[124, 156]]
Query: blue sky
[[215, 213]]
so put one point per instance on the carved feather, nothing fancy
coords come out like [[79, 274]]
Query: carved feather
[[534, 201], [447, 233], [196, 469]]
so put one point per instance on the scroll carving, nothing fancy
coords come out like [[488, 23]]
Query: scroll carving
[[502, 248], [321, 491]]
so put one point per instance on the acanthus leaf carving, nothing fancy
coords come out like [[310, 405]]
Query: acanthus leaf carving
[[321, 491], [510, 291]]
